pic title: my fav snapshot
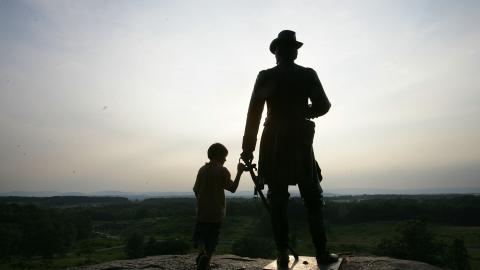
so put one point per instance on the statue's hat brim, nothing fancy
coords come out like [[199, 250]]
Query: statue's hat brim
[[285, 37]]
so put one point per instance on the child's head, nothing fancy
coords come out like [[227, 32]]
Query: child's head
[[217, 152]]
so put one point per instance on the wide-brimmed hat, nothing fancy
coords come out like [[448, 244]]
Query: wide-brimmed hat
[[285, 37]]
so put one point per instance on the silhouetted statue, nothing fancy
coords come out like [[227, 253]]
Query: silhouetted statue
[[286, 153]]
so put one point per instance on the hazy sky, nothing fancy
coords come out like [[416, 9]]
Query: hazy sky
[[128, 95]]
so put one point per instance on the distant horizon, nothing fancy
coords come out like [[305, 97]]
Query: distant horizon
[[293, 190]]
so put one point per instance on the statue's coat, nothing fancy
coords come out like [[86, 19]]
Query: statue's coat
[[286, 152]]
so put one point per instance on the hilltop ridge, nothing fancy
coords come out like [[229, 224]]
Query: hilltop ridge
[[232, 262]]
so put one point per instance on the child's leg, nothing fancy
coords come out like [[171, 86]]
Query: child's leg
[[201, 249], [207, 239], [203, 260], [199, 237], [209, 254], [212, 239]]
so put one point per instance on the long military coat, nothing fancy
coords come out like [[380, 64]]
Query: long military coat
[[286, 153]]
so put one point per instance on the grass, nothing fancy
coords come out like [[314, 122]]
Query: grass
[[71, 259], [469, 234], [360, 238]]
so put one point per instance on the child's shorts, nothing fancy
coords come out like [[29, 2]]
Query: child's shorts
[[206, 233]]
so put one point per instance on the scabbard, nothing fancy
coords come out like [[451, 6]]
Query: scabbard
[[265, 201]]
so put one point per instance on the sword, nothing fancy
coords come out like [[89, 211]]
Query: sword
[[251, 167]]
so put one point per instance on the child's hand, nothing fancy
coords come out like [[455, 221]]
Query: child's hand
[[241, 167]]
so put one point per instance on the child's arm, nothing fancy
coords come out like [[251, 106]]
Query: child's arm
[[234, 185]]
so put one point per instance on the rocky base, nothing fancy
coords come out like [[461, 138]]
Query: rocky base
[[232, 262]]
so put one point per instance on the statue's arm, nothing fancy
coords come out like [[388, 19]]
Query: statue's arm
[[320, 103], [255, 109]]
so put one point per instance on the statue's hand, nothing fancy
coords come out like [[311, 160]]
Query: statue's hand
[[241, 167], [247, 157]]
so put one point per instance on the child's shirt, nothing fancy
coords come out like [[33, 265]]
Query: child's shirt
[[211, 180]]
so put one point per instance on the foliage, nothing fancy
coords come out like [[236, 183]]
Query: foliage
[[245, 207], [134, 247], [29, 230], [415, 241], [169, 246], [254, 247], [258, 243], [449, 209], [56, 201], [86, 247], [458, 256], [54, 227]]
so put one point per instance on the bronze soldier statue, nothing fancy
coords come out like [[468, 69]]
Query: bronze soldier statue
[[286, 152]]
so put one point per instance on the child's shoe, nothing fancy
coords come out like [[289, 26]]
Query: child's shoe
[[203, 262]]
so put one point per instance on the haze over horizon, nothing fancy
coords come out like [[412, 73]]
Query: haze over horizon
[[123, 95]]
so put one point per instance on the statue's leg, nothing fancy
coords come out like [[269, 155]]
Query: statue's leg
[[278, 198], [312, 197]]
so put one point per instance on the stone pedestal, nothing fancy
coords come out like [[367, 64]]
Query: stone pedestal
[[305, 263]]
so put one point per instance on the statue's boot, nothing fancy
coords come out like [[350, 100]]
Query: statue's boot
[[279, 220], [280, 235], [314, 204], [282, 259], [325, 257]]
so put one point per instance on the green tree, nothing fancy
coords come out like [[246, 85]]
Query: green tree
[[413, 241], [458, 255]]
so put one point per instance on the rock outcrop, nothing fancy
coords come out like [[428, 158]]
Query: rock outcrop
[[232, 262]]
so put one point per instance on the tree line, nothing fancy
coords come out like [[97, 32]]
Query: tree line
[[30, 230]]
